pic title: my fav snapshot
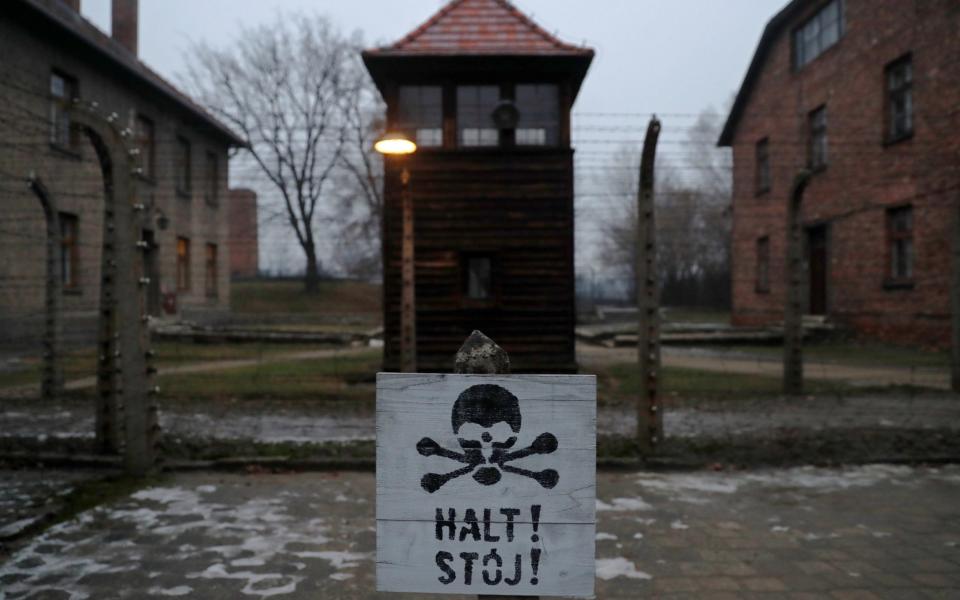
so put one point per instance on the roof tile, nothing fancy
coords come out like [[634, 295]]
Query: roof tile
[[481, 27]]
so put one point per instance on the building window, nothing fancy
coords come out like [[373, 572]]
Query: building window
[[420, 114], [818, 138], [69, 251], [211, 193], [763, 265], [900, 99], [475, 106], [211, 270], [539, 108], [146, 145], [818, 33], [478, 278], [182, 166], [63, 91], [900, 241], [763, 166], [183, 264]]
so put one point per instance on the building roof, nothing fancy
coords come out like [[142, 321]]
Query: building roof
[[480, 28], [774, 29], [64, 20]]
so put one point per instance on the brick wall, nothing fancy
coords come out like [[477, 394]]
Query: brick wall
[[75, 181], [244, 239], [864, 177]]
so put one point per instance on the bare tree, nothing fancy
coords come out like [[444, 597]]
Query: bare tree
[[359, 183], [287, 88], [693, 220]]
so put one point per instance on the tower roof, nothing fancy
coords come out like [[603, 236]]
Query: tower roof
[[480, 28]]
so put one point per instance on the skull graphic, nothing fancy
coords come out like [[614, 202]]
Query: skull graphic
[[486, 420]]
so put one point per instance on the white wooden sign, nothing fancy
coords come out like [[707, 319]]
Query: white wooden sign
[[486, 484]]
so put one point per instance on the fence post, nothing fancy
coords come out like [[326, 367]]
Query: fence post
[[124, 350], [792, 318], [52, 383], [649, 413], [955, 303], [479, 355]]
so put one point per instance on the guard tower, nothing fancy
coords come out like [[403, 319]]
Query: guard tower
[[486, 94]]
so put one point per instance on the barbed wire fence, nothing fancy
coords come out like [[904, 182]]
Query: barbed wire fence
[[725, 383]]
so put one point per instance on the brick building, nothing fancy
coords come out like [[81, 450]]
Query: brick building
[[865, 94], [244, 238], [53, 57]]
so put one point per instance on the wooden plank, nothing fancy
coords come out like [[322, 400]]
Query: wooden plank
[[566, 563], [538, 505]]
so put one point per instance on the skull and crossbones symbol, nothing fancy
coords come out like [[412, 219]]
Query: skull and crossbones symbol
[[486, 420]]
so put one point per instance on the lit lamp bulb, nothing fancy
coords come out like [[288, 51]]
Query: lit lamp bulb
[[395, 143]]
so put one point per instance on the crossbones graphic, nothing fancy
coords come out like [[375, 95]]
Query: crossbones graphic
[[485, 419]]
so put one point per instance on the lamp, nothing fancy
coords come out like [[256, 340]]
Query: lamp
[[397, 144]]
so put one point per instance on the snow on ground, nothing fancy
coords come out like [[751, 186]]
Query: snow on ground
[[698, 488], [608, 568], [250, 540], [622, 505]]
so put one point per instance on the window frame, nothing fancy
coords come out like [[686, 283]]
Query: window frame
[[798, 55], [60, 107], [211, 180], [815, 132], [762, 273], [69, 251], [551, 131], [147, 166], [763, 180], [211, 271], [493, 299], [487, 136], [893, 279], [417, 133], [183, 264], [891, 136], [183, 167]]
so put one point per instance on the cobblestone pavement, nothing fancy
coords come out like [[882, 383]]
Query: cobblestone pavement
[[859, 533]]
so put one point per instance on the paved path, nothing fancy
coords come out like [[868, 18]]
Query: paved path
[[692, 359], [863, 533]]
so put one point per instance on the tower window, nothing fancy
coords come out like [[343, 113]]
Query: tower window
[[475, 106], [420, 114]]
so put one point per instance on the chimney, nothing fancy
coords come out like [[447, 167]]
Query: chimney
[[125, 23], [74, 4]]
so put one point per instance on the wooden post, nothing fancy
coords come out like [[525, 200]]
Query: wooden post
[[793, 311], [408, 300], [955, 303], [649, 413], [52, 383], [480, 355]]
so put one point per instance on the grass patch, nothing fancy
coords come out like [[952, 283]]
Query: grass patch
[[619, 383], [680, 314], [849, 353], [83, 363], [79, 363], [333, 298], [350, 377]]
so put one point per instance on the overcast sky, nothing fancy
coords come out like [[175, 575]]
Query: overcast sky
[[672, 57]]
